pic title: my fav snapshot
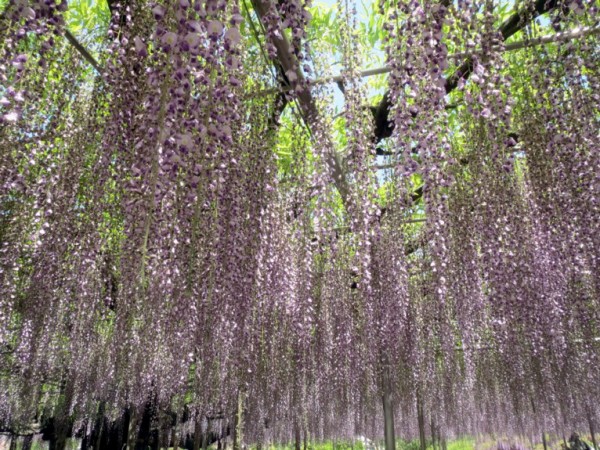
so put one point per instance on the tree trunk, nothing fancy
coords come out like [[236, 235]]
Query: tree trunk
[[174, 435], [297, 437], [238, 423], [197, 433], [234, 433], [164, 437], [27, 442], [13, 442], [131, 426], [96, 437], [145, 429], [421, 419], [388, 413], [591, 424], [60, 430], [544, 441], [205, 435]]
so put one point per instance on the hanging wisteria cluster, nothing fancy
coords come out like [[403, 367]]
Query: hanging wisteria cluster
[[159, 272]]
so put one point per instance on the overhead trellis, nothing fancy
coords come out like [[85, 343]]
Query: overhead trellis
[[188, 250]]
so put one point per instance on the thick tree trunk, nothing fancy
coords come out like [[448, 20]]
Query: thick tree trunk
[[13, 442], [388, 413]]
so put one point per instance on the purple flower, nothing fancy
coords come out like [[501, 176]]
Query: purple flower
[[159, 12], [214, 29], [169, 40], [28, 13], [192, 40], [233, 36], [140, 47], [11, 117]]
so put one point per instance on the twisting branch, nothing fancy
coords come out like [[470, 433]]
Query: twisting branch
[[288, 62], [515, 23]]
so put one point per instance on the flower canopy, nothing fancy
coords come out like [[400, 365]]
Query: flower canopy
[[193, 218]]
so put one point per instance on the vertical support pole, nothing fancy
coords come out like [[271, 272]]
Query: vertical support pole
[[98, 426], [388, 412], [297, 445], [13, 442], [591, 424], [545, 444], [421, 420], [174, 434], [164, 436], [197, 433], [205, 435], [238, 424], [131, 427], [27, 442]]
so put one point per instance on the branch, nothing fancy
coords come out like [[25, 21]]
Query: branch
[[288, 62], [518, 21], [82, 50]]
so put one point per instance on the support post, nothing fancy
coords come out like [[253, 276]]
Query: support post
[[421, 420], [96, 437], [388, 412], [205, 435], [238, 424], [27, 442], [197, 433], [174, 434], [591, 424], [297, 445], [131, 427]]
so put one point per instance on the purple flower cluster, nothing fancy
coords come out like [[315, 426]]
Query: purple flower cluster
[[152, 248]]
